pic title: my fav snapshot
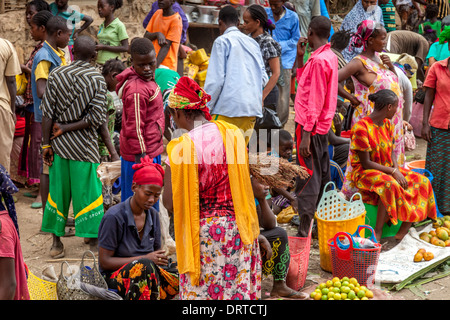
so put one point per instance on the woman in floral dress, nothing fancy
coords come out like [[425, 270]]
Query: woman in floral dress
[[208, 189], [370, 73]]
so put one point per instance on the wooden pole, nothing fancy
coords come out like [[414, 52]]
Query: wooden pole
[[2, 6]]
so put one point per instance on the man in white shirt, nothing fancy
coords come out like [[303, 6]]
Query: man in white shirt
[[236, 75]]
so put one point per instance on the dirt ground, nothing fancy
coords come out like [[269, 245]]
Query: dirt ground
[[36, 247]]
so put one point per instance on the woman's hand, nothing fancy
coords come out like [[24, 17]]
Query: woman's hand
[[354, 101], [265, 248], [407, 125], [387, 61], [158, 257], [426, 132], [400, 179]]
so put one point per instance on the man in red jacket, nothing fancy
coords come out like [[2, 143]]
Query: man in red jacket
[[143, 112]]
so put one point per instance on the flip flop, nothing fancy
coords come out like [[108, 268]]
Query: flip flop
[[30, 195], [36, 205]]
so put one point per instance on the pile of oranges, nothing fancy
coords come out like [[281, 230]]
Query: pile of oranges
[[423, 254], [341, 289]]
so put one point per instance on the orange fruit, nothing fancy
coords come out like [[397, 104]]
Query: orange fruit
[[318, 296], [369, 294], [428, 256], [418, 257], [422, 251]]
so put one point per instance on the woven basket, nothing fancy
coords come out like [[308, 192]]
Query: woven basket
[[40, 289], [69, 289], [335, 214]]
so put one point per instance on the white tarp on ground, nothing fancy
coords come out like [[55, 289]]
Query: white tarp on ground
[[397, 264]]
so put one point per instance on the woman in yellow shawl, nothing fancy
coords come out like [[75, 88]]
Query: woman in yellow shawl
[[209, 191]]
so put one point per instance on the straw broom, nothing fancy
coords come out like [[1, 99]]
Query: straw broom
[[275, 172]]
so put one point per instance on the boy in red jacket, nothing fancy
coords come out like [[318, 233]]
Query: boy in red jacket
[[143, 112]]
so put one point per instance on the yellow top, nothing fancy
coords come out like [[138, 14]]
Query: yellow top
[[186, 199], [43, 68]]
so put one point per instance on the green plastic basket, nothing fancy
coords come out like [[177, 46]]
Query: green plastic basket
[[371, 219]]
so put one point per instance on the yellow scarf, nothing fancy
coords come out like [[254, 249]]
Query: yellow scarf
[[186, 200]]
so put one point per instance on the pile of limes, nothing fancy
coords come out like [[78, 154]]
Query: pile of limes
[[341, 289]]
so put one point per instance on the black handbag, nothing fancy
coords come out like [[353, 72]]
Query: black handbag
[[269, 120]]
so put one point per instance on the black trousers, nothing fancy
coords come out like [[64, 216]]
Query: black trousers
[[278, 264], [309, 190]]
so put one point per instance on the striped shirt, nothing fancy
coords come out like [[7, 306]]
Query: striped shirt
[[76, 92], [389, 16]]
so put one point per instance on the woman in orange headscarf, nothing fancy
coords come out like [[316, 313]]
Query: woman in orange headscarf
[[129, 240], [208, 189]]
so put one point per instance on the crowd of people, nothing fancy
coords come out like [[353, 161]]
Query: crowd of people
[[88, 101]]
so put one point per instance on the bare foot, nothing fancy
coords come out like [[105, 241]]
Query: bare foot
[[280, 289]]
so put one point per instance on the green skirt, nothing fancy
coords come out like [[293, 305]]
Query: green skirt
[[76, 182]]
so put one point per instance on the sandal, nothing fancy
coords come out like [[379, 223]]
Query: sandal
[[57, 253]]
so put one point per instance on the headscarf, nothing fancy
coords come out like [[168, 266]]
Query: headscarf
[[188, 95], [362, 34], [354, 18], [7, 189], [445, 35], [148, 172]]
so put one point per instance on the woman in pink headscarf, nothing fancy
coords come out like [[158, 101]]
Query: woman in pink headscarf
[[371, 72]]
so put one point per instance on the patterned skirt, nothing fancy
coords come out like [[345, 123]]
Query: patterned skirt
[[437, 162], [143, 280], [230, 270], [413, 204]]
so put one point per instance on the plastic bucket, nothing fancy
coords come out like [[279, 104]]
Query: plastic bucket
[[327, 229], [417, 164]]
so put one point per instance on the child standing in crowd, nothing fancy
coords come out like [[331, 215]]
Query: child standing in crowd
[[283, 198], [29, 160], [164, 30], [143, 112], [110, 70], [47, 58], [388, 9], [431, 16], [61, 8], [112, 35]]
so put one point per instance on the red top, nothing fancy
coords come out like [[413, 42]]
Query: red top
[[10, 248], [316, 99], [438, 78], [143, 116]]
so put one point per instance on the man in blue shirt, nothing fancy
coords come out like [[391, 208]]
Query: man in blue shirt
[[236, 75], [287, 34]]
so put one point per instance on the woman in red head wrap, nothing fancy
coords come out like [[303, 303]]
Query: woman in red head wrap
[[130, 248], [215, 221]]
